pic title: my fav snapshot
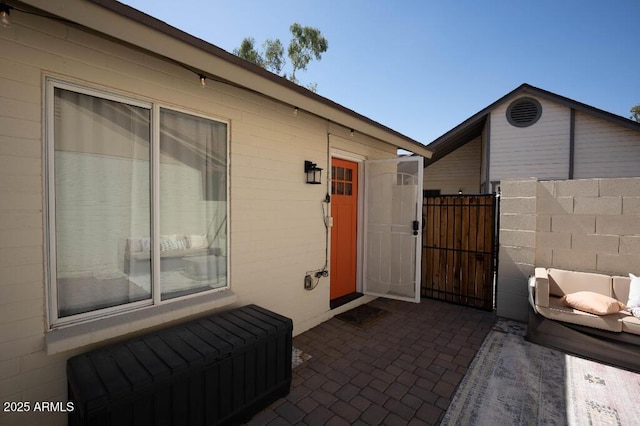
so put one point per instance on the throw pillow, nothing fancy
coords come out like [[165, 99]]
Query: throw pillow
[[197, 241], [634, 292], [172, 245], [594, 303]]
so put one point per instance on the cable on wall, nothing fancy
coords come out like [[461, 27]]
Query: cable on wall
[[323, 272]]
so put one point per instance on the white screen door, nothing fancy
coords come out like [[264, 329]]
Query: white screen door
[[393, 228]]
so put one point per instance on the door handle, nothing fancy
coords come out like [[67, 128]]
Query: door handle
[[416, 226]]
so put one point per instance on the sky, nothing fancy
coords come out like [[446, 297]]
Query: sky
[[423, 67]]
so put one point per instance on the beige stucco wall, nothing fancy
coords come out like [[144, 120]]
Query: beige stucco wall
[[276, 226], [590, 225]]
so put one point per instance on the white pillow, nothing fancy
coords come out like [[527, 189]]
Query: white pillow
[[634, 292]]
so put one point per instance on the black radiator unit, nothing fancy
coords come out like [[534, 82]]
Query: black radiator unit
[[221, 369]]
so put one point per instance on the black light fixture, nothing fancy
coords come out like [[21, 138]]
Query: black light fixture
[[314, 173], [5, 15]]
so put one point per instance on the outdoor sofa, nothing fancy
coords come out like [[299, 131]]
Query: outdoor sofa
[[597, 325], [174, 250]]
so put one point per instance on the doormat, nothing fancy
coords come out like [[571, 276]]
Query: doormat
[[361, 316]]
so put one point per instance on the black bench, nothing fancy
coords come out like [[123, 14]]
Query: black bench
[[221, 369]]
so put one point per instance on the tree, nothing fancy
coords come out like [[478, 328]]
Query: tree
[[635, 113], [307, 43], [248, 51], [273, 55]]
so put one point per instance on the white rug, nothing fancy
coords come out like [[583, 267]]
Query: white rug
[[514, 382]]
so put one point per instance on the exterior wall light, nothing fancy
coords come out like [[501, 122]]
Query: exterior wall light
[[5, 15], [314, 173]]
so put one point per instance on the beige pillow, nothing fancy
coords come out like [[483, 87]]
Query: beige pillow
[[197, 241], [594, 303]]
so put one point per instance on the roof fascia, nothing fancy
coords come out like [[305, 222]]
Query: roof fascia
[[579, 106], [136, 28], [474, 119], [531, 90]]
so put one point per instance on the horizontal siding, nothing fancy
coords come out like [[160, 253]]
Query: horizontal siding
[[540, 150], [457, 170], [276, 227], [604, 149]]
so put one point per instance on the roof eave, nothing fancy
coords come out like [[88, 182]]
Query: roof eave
[[136, 28], [532, 90]]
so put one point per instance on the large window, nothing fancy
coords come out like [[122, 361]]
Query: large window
[[137, 203]]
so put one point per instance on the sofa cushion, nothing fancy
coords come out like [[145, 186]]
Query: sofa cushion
[[133, 245], [146, 255], [621, 288], [594, 303], [631, 324], [563, 282], [560, 312]]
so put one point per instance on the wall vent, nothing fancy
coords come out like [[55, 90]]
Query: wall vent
[[524, 112]]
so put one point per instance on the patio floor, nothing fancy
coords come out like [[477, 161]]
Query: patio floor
[[403, 368]]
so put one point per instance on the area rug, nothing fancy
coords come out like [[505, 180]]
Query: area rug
[[298, 357], [514, 382], [362, 315]]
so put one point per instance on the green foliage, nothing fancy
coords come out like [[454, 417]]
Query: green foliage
[[307, 43], [635, 113], [273, 55], [248, 51]]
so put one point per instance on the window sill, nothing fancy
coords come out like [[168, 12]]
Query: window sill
[[91, 333]]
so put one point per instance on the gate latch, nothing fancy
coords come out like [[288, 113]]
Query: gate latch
[[416, 226]]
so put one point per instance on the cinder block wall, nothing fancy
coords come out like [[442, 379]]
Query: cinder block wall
[[590, 225], [518, 225]]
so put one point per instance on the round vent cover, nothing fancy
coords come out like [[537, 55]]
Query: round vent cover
[[524, 112]]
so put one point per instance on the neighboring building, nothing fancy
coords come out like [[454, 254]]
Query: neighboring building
[[531, 132], [131, 197]]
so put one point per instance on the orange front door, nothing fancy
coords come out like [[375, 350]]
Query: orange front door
[[344, 210]]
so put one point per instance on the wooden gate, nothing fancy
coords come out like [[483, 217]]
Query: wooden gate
[[459, 255]]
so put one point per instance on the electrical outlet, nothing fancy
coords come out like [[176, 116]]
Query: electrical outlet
[[307, 282]]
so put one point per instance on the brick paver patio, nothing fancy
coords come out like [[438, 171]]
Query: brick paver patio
[[402, 369]]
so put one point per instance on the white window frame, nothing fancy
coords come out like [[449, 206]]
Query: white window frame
[[54, 321]]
